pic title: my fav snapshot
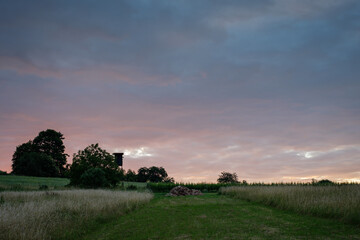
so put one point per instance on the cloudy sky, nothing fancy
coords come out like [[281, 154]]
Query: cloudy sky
[[267, 89]]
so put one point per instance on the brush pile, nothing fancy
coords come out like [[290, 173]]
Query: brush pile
[[183, 191]]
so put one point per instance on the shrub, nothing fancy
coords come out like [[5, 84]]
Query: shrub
[[94, 178], [43, 187], [131, 187]]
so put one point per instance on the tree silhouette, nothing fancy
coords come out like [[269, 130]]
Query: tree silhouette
[[94, 157], [226, 177], [48, 143]]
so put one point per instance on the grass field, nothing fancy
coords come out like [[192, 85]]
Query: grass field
[[339, 202], [215, 216], [21, 183], [12, 182], [64, 214], [240, 213]]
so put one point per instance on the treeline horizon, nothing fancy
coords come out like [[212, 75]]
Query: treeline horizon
[[45, 156]]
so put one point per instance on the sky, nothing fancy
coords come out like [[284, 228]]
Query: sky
[[267, 89]]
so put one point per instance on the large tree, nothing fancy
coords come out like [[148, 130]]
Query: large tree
[[90, 158], [152, 174], [36, 164], [226, 177], [50, 143]]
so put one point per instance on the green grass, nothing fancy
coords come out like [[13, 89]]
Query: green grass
[[138, 185], [12, 182], [215, 216]]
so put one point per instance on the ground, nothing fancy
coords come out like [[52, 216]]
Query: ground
[[214, 216]]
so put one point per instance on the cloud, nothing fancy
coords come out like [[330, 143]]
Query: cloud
[[267, 89]]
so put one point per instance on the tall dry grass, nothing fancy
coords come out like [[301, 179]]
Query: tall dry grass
[[57, 214], [340, 202]]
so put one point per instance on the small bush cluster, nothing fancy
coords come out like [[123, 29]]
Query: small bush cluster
[[203, 187]]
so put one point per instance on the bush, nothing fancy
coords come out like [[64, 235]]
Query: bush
[[43, 187], [94, 178], [325, 182], [204, 187], [131, 188], [3, 173]]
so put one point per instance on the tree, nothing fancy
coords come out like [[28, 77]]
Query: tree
[[169, 180], [130, 176], [36, 164], [21, 150], [94, 157], [94, 178], [48, 142], [152, 174], [226, 177], [51, 143]]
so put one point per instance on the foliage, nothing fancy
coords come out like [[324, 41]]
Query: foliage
[[36, 164], [3, 172], [22, 149], [152, 174], [49, 143], [324, 182], [94, 178], [169, 180], [130, 176], [203, 187], [226, 177], [131, 188], [43, 187], [94, 157]]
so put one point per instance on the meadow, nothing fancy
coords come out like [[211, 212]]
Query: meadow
[[63, 214], [240, 211], [217, 217], [12, 182], [337, 201]]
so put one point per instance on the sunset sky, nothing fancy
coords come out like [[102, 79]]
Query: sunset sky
[[267, 89]]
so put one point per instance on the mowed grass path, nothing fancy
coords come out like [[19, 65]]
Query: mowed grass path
[[218, 217]]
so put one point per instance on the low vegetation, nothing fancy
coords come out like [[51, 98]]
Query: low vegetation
[[203, 187], [335, 201], [45, 214], [20, 183], [214, 216]]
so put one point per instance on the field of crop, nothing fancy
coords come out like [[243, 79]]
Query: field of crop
[[62, 214], [340, 202]]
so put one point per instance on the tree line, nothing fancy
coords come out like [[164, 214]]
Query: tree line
[[44, 156]]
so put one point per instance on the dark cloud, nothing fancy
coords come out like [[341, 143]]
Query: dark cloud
[[265, 88]]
